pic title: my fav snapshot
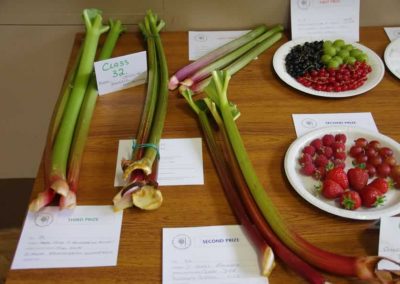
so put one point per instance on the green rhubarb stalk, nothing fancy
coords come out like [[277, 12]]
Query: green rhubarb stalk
[[241, 62], [266, 255], [47, 196], [205, 60], [137, 177], [145, 194], [362, 267], [149, 106], [85, 117], [63, 139], [280, 250], [227, 59], [151, 153]]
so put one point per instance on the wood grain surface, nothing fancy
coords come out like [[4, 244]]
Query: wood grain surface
[[266, 125]]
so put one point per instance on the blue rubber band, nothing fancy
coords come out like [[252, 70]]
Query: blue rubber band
[[145, 145]]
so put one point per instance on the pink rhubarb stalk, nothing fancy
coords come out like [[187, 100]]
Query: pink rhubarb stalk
[[271, 36], [205, 60]]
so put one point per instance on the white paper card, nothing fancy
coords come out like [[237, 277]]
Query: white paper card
[[121, 72], [202, 42], [325, 19], [209, 255], [181, 161], [305, 123], [389, 242], [84, 237], [392, 32]]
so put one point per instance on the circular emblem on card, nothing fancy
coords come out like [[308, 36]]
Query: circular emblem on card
[[43, 219], [303, 4], [200, 37], [309, 123], [181, 241]]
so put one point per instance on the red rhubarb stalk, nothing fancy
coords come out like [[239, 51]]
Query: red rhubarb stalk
[[362, 267], [264, 251]]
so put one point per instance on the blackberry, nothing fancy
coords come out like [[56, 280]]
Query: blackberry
[[304, 57]]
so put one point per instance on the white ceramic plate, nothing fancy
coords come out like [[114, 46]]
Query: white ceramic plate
[[378, 70], [392, 57], [304, 185]]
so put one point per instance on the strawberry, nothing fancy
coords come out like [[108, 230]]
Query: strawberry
[[350, 200], [380, 184], [371, 197], [339, 176], [307, 169], [340, 138], [331, 189], [328, 139], [358, 178]]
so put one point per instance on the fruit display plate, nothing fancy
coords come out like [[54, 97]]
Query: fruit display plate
[[378, 70], [305, 185], [392, 57]]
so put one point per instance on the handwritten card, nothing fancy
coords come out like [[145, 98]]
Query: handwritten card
[[325, 19], [84, 237], [181, 161], [202, 42], [209, 255], [392, 32], [389, 242], [305, 123], [121, 72]]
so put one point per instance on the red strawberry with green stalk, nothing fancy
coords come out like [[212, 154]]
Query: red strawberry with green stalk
[[358, 178], [350, 200], [371, 197]]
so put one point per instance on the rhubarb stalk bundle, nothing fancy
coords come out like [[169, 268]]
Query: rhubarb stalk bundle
[[231, 57], [141, 170], [260, 207], [70, 123]]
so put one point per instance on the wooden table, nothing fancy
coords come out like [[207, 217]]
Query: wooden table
[[266, 125]]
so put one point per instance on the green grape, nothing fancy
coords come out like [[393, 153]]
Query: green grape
[[338, 43], [343, 53], [355, 52], [362, 57], [330, 50], [325, 58], [348, 47], [338, 59], [327, 43], [333, 64], [350, 60]]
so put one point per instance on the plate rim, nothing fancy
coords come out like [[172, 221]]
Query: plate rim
[[292, 153], [386, 56], [281, 72]]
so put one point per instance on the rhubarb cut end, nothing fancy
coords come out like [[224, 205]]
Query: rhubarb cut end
[[60, 186], [143, 164], [122, 202], [68, 201], [43, 199], [173, 83], [187, 83], [267, 262], [147, 198]]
